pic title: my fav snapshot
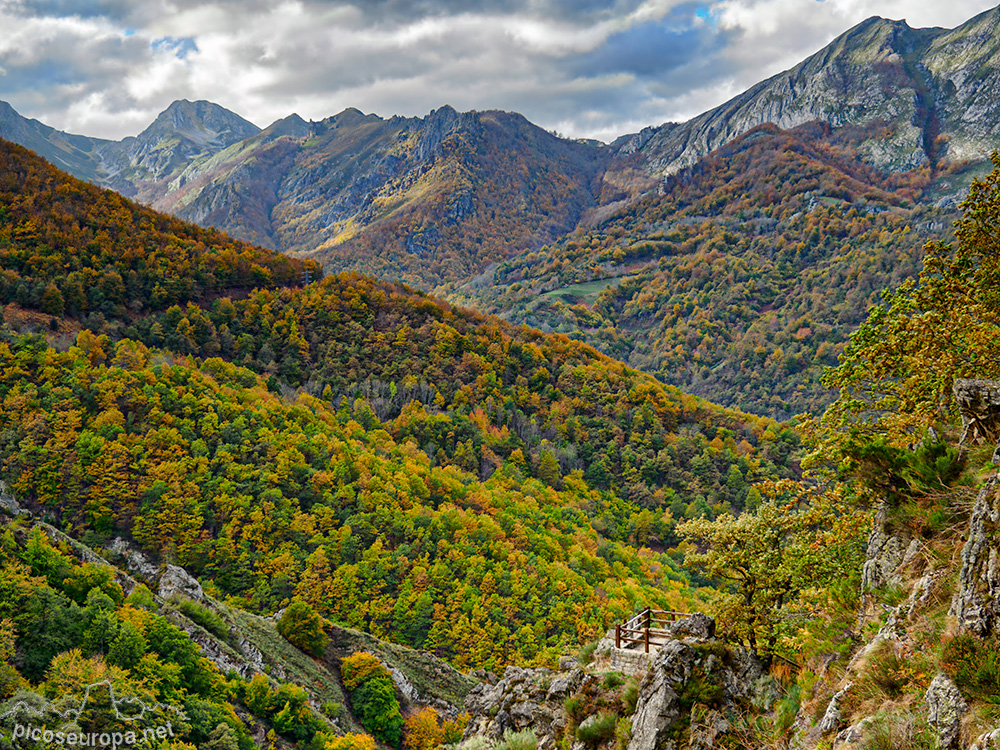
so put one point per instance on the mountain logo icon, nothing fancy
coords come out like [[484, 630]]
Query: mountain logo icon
[[27, 721]]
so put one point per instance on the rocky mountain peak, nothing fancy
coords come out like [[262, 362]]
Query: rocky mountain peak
[[200, 122]]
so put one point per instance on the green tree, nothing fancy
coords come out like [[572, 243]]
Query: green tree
[[373, 695], [797, 539], [302, 627], [896, 375]]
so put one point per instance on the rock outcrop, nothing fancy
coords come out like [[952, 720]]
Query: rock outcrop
[[888, 551], [688, 697], [521, 699], [978, 402], [177, 581], [945, 707], [976, 604], [686, 672]]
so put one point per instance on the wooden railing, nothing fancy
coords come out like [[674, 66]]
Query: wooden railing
[[643, 628]]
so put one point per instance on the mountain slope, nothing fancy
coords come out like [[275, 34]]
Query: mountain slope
[[422, 200], [743, 276], [379, 453], [67, 246], [935, 89]]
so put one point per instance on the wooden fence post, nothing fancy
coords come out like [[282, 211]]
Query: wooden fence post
[[618, 636]]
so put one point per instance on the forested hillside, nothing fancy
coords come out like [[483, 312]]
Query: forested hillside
[[434, 476], [742, 277], [67, 247]]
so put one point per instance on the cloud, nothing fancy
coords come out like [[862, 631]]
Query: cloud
[[586, 68]]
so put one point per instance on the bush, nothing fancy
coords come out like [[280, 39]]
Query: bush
[[899, 731], [525, 740], [302, 627], [974, 665], [890, 674], [349, 742], [208, 619], [586, 654], [613, 680], [573, 706], [601, 729], [630, 695]]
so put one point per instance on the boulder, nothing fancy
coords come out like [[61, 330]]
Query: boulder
[[978, 402], [177, 581], [698, 626], [945, 707]]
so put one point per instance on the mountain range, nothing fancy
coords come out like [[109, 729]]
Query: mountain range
[[439, 198], [469, 204]]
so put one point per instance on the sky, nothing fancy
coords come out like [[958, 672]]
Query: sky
[[587, 68]]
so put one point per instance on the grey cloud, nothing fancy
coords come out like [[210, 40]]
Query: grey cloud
[[120, 62]]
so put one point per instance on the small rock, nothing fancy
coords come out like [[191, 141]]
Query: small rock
[[988, 741], [853, 733], [834, 715], [567, 662], [945, 707]]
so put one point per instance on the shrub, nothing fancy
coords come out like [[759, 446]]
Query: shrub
[[525, 740], [302, 627], [586, 654], [613, 680], [890, 674], [349, 742], [208, 619], [601, 729], [899, 731], [630, 695], [974, 665], [423, 730], [573, 706]]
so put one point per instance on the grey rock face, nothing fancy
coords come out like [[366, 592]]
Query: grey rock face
[[9, 504], [920, 82], [137, 563], [564, 685], [885, 555], [977, 602], [659, 706], [987, 741], [833, 718], [699, 626], [176, 580], [945, 707], [978, 402], [519, 700]]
